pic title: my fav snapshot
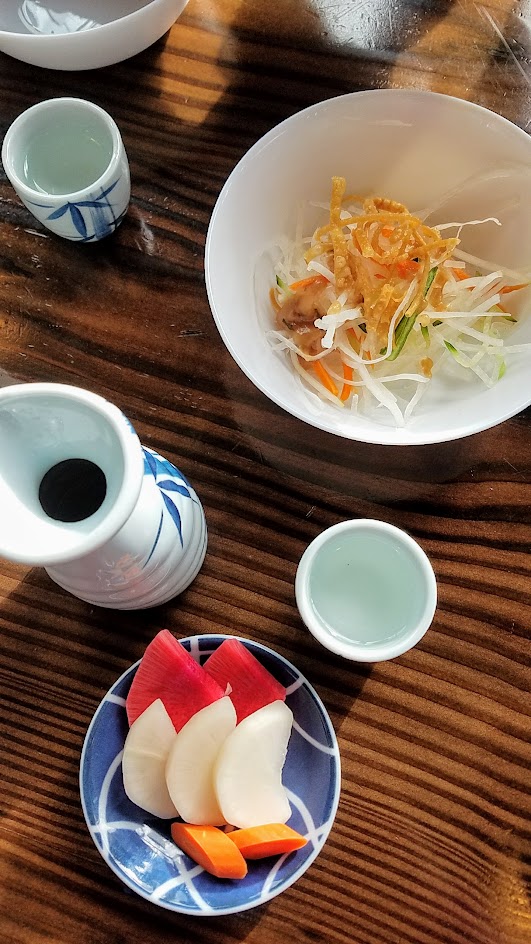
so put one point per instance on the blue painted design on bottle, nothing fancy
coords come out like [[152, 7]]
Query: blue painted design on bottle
[[172, 482]]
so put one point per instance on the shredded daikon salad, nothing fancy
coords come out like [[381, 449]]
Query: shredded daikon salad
[[376, 302]]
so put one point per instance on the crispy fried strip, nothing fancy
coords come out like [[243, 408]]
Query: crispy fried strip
[[386, 236]]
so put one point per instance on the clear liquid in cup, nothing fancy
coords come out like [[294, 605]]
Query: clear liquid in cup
[[65, 158], [366, 588]]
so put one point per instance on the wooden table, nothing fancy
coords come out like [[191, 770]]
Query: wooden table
[[432, 841]]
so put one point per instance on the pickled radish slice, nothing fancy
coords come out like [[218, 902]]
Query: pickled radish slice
[[251, 685], [190, 765], [248, 771], [146, 750], [168, 671]]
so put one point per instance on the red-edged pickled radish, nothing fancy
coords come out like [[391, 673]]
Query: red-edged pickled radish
[[168, 671], [190, 764], [146, 751], [251, 685], [248, 770]]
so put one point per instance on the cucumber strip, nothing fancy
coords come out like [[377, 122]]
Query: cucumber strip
[[406, 323]]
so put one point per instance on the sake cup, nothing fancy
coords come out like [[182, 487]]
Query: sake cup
[[66, 160], [366, 590]]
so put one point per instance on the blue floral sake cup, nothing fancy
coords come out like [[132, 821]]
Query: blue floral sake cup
[[66, 160]]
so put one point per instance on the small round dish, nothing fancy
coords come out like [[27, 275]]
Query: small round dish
[[366, 590], [138, 847]]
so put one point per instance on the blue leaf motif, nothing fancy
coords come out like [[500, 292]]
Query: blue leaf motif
[[163, 466], [156, 541], [174, 514], [77, 219], [92, 203], [57, 214], [149, 464], [170, 486], [102, 226], [186, 482], [105, 192], [102, 222], [157, 465]]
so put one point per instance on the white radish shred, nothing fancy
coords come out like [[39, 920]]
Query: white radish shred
[[313, 381], [419, 393], [329, 323], [321, 269], [491, 266], [489, 219], [381, 394], [280, 342]]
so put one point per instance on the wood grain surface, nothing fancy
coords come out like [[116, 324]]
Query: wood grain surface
[[432, 841]]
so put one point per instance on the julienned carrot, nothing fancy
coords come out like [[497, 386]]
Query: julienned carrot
[[311, 280], [347, 386], [406, 267], [273, 298], [504, 290], [258, 842], [211, 848], [325, 377], [512, 288]]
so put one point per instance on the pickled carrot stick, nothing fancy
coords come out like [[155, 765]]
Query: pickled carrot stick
[[258, 842], [211, 848]]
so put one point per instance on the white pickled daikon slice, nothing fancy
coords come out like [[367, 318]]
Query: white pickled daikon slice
[[190, 765], [146, 750], [248, 770]]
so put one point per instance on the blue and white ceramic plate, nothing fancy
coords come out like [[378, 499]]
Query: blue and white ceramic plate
[[138, 847]]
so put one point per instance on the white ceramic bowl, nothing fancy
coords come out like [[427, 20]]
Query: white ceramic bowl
[[83, 34], [414, 147], [366, 590]]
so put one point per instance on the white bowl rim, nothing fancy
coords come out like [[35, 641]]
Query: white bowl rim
[[349, 650], [384, 435], [65, 37]]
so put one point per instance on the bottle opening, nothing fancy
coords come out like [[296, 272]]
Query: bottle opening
[[72, 490]]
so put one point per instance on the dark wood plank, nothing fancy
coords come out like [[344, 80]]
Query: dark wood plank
[[432, 843]]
